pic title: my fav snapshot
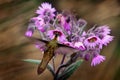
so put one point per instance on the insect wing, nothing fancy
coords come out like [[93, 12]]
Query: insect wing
[[41, 44], [64, 49]]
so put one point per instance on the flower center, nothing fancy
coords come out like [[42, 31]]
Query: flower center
[[58, 33], [93, 39], [47, 12]]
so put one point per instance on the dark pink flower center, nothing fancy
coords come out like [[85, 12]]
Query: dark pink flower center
[[93, 39], [47, 12], [57, 33]]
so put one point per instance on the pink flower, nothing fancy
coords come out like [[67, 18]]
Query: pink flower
[[106, 39], [67, 27], [38, 21], [29, 33], [92, 41], [67, 43], [63, 22], [79, 45], [30, 30], [40, 24], [61, 18], [97, 60], [46, 10], [102, 30], [61, 37]]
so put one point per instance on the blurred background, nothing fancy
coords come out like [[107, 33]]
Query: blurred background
[[14, 17]]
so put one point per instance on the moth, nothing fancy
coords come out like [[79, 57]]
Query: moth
[[50, 48]]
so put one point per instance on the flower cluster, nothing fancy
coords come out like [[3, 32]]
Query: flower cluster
[[71, 32]]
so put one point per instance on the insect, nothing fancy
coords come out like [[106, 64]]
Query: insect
[[50, 48]]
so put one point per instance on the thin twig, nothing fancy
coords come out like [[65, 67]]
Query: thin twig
[[56, 75], [62, 61], [60, 67], [73, 58]]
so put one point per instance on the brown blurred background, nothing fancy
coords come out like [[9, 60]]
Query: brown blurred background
[[14, 17]]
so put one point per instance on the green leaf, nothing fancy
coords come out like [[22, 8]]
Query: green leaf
[[49, 67], [69, 70], [32, 61]]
